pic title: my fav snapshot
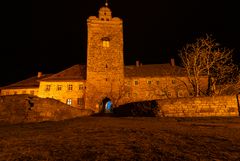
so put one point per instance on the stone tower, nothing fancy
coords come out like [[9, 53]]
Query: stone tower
[[105, 66]]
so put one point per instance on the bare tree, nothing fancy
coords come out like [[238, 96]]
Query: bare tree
[[205, 58], [119, 95]]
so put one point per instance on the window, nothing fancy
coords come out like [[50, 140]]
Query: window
[[80, 101], [158, 82], [15, 92], [136, 82], [169, 94], [105, 42], [81, 87], [32, 92], [59, 87], [23, 92], [69, 101], [48, 87], [70, 87], [128, 94], [149, 82], [173, 81]]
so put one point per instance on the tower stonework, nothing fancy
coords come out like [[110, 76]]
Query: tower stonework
[[105, 65]]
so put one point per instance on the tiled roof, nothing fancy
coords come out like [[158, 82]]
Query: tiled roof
[[154, 70], [74, 73], [32, 82], [78, 72]]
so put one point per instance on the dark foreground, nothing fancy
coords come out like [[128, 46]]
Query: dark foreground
[[124, 138]]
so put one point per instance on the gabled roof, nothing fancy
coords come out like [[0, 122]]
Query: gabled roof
[[154, 70], [32, 82], [74, 73]]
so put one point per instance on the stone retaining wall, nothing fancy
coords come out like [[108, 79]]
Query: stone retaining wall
[[27, 108], [199, 107]]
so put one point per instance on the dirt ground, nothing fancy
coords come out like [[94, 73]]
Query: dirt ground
[[123, 138]]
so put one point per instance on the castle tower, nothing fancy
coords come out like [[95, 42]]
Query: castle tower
[[105, 66]]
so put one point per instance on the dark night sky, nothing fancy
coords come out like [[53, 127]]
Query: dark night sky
[[50, 35]]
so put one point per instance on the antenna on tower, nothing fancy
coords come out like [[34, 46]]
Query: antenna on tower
[[106, 3]]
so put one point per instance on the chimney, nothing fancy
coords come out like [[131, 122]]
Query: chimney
[[137, 63], [39, 74], [172, 62]]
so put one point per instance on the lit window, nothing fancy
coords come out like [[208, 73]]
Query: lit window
[[59, 87], [105, 42], [15, 92], [158, 82], [48, 87], [135, 94], [70, 87], [136, 82], [69, 101], [128, 94], [149, 82], [7, 93], [23, 92]]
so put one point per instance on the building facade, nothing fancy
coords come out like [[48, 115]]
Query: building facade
[[105, 78]]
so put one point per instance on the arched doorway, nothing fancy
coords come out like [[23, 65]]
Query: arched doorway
[[106, 105]]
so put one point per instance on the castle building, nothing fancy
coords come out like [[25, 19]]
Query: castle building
[[105, 79]]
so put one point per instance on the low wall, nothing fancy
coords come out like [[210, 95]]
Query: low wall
[[27, 108], [199, 107]]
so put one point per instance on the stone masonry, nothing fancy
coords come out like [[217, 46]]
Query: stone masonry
[[199, 107], [105, 66]]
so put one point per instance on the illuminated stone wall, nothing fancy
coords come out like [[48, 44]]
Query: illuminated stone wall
[[51, 90], [152, 88], [199, 107], [104, 58]]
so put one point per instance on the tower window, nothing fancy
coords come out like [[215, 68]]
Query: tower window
[[105, 42]]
